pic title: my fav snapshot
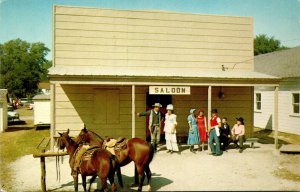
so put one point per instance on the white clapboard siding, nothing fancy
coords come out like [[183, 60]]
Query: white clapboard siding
[[287, 121], [264, 117], [106, 37]]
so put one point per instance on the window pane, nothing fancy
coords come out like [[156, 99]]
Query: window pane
[[296, 108], [258, 97], [295, 97], [258, 105]]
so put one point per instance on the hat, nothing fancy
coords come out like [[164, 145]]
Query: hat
[[192, 110], [214, 111], [156, 105], [241, 119], [170, 107]]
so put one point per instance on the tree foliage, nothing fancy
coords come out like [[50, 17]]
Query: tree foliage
[[22, 67], [264, 44]]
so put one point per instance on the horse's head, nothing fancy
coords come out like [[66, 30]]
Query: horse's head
[[63, 140], [83, 137]]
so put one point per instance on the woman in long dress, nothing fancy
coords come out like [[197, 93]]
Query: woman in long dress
[[193, 137], [202, 126], [170, 130]]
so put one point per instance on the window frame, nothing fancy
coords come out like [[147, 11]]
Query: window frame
[[256, 102], [293, 104]]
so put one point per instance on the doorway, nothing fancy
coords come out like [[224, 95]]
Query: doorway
[[164, 100]]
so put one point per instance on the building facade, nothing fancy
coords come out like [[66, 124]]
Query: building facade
[[286, 65], [106, 61]]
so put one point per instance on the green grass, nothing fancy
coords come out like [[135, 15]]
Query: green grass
[[14, 145]]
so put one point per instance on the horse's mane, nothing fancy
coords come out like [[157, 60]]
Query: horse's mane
[[98, 136]]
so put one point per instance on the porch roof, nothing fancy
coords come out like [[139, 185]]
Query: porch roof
[[149, 74]]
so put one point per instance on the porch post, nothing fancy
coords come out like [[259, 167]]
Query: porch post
[[133, 111], [276, 116], [209, 102], [52, 115], [208, 109]]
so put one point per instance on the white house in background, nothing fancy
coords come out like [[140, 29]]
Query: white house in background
[[41, 110], [286, 65]]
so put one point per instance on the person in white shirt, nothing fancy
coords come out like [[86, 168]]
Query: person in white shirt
[[238, 133], [170, 130]]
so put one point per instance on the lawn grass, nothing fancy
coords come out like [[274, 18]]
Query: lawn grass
[[14, 145]]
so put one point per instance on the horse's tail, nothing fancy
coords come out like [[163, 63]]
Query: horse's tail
[[117, 168], [151, 153]]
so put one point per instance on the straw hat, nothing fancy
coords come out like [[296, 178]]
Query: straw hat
[[157, 105], [170, 107]]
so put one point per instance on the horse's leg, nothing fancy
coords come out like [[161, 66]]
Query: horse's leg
[[103, 183], [148, 173], [83, 182], [140, 170], [92, 181], [112, 181], [136, 176], [75, 178]]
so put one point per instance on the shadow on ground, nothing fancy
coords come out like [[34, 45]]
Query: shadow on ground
[[266, 137], [157, 182]]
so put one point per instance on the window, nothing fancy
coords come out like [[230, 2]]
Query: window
[[258, 101], [296, 100]]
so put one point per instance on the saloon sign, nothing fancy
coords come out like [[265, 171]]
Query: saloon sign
[[169, 90]]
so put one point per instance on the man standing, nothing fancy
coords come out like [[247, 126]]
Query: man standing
[[155, 118], [214, 133]]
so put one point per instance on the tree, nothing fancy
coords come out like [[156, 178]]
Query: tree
[[21, 67], [264, 44]]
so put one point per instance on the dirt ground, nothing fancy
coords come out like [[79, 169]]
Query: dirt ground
[[262, 168]]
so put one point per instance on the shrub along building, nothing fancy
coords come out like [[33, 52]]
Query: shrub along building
[[110, 64]]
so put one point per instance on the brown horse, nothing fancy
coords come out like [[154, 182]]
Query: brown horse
[[102, 164], [137, 150]]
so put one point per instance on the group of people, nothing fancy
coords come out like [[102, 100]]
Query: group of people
[[199, 132]]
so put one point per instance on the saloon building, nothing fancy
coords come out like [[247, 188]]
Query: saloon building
[[110, 64]]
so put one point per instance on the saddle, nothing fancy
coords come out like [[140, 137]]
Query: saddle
[[82, 153], [115, 145]]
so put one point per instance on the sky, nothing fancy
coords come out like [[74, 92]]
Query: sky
[[31, 20]]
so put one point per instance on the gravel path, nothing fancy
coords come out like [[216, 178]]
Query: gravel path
[[251, 170]]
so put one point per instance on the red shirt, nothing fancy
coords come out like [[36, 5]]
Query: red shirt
[[214, 121]]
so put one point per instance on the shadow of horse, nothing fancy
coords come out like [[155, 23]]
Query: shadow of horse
[[157, 182]]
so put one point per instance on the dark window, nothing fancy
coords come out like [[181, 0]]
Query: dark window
[[296, 99], [258, 101]]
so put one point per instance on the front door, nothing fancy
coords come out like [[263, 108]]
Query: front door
[[164, 100]]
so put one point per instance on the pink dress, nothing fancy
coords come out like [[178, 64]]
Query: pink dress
[[202, 128]]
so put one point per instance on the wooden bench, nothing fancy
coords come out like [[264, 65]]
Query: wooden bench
[[251, 141]]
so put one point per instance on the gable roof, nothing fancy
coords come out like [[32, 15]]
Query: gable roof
[[284, 64]]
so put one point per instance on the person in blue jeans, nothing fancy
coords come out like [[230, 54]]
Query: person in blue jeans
[[214, 133]]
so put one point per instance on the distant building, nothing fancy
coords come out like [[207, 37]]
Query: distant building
[[44, 88], [286, 65], [3, 109], [106, 62], [41, 113]]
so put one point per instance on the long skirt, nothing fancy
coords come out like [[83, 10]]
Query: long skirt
[[193, 137], [171, 142]]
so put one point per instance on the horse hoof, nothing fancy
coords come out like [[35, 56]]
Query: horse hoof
[[134, 185]]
